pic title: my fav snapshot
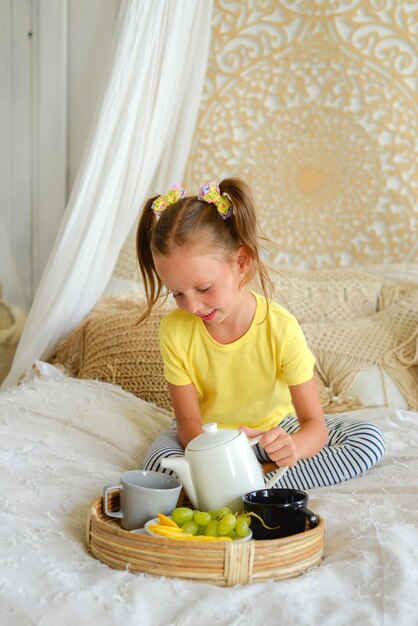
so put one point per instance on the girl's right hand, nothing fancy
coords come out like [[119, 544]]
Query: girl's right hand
[[251, 432], [278, 444]]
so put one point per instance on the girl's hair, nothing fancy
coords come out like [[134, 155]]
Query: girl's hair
[[193, 223]]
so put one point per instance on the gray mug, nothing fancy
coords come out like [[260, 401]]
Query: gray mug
[[143, 494]]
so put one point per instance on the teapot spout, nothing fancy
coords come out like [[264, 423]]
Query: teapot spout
[[181, 467], [276, 476]]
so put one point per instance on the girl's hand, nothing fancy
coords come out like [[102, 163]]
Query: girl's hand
[[278, 444]]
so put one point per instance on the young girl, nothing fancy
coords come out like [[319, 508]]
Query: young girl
[[231, 355]]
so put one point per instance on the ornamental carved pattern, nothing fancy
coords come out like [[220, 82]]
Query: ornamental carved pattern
[[315, 104]]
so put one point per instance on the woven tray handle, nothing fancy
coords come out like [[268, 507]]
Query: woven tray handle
[[239, 559]]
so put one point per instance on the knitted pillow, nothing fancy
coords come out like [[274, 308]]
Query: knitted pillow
[[327, 295], [109, 346], [117, 351], [388, 339], [68, 352], [12, 321], [393, 292]]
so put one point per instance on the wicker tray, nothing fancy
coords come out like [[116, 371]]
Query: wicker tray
[[224, 563]]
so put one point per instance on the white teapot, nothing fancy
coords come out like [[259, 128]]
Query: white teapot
[[219, 467]]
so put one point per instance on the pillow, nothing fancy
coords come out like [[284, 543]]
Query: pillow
[[127, 262], [374, 387], [393, 292], [327, 295], [331, 403], [116, 350], [349, 349], [68, 352], [394, 271], [108, 346], [12, 321]]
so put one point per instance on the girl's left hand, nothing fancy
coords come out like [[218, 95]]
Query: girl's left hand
[[278, 444]]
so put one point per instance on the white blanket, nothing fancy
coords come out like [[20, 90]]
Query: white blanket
[[62, 439]]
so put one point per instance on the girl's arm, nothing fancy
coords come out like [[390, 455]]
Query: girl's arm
[[285, 449], [187, 412]]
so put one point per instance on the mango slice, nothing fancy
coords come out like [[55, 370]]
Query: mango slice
[[168, 531], [166, 521]]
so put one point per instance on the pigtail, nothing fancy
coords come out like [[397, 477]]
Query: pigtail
[[152, 283], [244, 223]]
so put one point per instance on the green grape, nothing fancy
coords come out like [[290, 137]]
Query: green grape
[[212, 528], [202, 518], [181, 515], [227, 524], [214, 513], [191, 527], [242, 526], [225, 510]]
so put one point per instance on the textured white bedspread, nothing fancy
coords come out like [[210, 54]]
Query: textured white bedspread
[[62, 439]]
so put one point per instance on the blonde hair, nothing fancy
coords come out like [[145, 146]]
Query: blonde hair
[[191, 222]]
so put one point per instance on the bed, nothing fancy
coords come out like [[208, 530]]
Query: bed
[[79, 421]]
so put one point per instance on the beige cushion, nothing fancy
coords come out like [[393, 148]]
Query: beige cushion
[[388, 339], [127, 263], [394, 271], [393, 292], [327, 295], [375, 387], [118, 351], [12, 321], [109, 346]]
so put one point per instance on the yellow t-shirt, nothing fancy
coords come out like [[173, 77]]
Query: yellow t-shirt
[[241, 383]]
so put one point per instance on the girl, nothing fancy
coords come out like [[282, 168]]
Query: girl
[[231, 355]]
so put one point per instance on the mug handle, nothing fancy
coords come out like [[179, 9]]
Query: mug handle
[[313, 519], [106, 491]]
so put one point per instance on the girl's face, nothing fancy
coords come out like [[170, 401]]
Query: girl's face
[[206, 285]]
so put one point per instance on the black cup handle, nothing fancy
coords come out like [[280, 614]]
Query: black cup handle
[[313, 519]]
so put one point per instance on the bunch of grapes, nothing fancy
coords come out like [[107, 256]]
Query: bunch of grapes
[[217, 523]]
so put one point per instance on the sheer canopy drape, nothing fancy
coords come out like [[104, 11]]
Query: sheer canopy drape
[[10, 279], [148, 110]]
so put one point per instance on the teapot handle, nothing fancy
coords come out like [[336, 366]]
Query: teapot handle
[[254, 440], [280, 470]]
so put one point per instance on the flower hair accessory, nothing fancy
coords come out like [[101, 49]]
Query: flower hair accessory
[[212, 194], [162, 202]]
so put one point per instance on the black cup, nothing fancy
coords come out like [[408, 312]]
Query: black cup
[[285, 508]]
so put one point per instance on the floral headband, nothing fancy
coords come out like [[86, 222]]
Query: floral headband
[[212, 194], [209, 193], [162, 202]]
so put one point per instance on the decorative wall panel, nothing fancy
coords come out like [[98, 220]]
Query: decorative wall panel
[[315, 104]]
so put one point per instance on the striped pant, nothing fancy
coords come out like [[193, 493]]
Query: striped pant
[[353, 447]]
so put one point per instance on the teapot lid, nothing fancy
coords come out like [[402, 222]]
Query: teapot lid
[[212, 437]]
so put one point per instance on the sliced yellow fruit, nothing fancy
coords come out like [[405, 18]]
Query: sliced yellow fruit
[[166, 521], [167, 529]]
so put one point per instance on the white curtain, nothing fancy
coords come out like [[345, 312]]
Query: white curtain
[[10, 281], [148, 112]]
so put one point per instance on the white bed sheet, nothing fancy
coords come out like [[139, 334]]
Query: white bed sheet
[[62, 439]]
